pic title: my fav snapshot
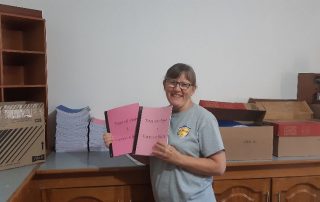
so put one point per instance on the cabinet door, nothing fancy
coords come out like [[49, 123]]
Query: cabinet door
[[296, 189], [86, 194], [132, 193], [139, 193], [242, 190]]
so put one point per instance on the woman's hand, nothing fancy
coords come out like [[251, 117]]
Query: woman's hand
[[208, 166], [166, 152], [107, 138]]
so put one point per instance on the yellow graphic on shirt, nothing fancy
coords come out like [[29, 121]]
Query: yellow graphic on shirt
[[183, 131]]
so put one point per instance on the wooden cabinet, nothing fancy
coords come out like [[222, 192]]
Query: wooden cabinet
[[23, 55], [296, 189], [262, 181], [282, 189], [242, 190], [23, 72], [94, 194], [123, 185], [279, 180], [309, 91], [138, 193], [308, 87]]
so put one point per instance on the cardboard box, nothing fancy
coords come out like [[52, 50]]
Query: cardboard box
[[243, 143], [296, 146], [286, 110], [228, 111], [248, 143], [22, 131], [296, 128], [296, 133]]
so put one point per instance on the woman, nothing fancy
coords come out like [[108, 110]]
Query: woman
[[182, 170]]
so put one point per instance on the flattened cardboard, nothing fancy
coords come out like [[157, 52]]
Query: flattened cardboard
[[22, 131], [290, 110]]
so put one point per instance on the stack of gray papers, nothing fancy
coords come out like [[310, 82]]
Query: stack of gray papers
[[72, 129], [97, 128]]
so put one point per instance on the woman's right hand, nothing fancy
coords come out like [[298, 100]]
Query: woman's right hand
[[107, 138]]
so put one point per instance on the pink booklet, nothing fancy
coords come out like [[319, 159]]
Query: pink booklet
[[153, 127], [121, 122], [136, 129]]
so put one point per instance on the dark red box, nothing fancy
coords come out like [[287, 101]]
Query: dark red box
[[296, 128], [234, 111]]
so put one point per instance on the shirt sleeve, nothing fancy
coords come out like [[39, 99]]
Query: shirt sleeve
[[210, 141]]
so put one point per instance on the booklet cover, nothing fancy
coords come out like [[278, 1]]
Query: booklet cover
[[153, 127], [136, 129], [121, 122]]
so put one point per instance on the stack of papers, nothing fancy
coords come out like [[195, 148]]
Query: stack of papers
[[72, 129], [97, 128]]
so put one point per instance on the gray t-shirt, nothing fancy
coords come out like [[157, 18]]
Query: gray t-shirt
[[194, 132]]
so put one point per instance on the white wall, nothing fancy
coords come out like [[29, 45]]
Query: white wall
[[107, 53]]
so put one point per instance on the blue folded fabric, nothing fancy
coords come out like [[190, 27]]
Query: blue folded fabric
[[69, 110], [72, 129], [223, 123]]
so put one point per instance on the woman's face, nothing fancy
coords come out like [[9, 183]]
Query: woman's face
[[179, 92]]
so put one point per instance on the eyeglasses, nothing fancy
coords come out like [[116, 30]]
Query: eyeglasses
[[174, 83]]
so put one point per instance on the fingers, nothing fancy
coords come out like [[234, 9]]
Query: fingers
[[160, 146], [107, 138], [164, 151]]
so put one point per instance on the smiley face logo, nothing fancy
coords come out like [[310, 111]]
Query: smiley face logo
[[183, 131]]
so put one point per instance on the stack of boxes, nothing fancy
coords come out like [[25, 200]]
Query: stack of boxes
[[22, 134], [282, 128], [251, 139], [295, 132]]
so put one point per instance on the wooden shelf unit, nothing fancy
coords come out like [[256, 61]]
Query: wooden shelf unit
[[23, 65], [22, 33]]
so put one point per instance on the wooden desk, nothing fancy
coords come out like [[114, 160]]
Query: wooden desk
[[285, 179]]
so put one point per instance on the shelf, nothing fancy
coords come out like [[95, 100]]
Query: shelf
[[20, 33], [12, 51], [23, 86], [36, 94], [23, 64], [23, 68]]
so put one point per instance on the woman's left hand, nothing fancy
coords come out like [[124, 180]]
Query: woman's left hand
[[208, 166], [166, 152]]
